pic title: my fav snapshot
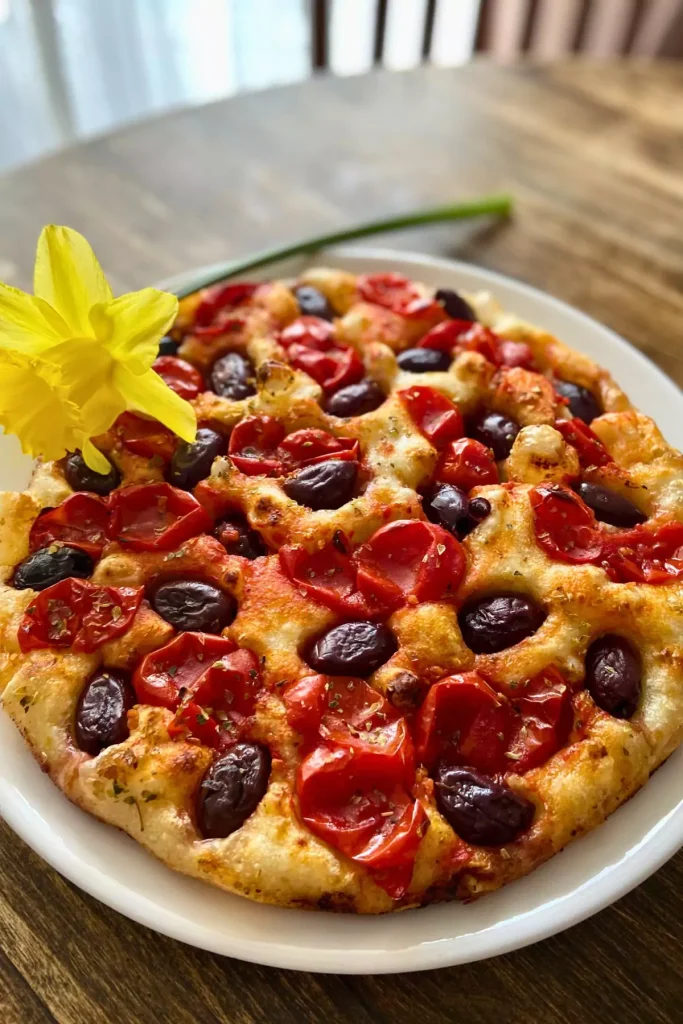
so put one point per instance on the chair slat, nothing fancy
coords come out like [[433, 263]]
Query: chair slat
[[380, 30], [428, 34]]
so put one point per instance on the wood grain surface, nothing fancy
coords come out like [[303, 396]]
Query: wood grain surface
[[594, 157]]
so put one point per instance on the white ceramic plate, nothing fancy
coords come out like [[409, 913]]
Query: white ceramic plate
[[588, 876]]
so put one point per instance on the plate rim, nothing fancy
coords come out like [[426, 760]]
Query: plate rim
[[661, 841]]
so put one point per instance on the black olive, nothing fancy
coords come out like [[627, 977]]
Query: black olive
[[424, 360], [323, 485], [168, 346], [355, 399], [51, 565], [497, 432], [582, 403], [102, 711], [192, 462], [481, 811], [352, 649], [313, 303], [454, 304], [610, 507], [193, 606], [238, 538], [232, 376], [493, 623], [79, 476], [613, 675], [232, 789], [448, 506]]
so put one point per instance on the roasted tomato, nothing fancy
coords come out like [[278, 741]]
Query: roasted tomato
[[145, 437], [221, 298], [405, 561], [156, 517], [81, 521], [565, 527], [259, 447], [433, 414], [79, 615], [204, 672], [466, 463], [397, 293], [180, 376], [465, 721], [589, 447]]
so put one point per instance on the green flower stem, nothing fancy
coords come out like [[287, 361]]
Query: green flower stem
[[490, 205]]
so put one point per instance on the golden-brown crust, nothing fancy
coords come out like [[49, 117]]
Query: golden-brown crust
[[147, 784]]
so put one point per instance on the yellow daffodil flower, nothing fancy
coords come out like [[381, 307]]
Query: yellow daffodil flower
[[72, 357]]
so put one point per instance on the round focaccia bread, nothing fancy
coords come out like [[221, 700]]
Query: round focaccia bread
[[405, 619]]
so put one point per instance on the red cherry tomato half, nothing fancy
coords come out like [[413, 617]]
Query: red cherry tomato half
[[434, 415], [156, 517], [464, 721], [221, 297], [467, 463], [331, 370], [310, 332], [81, 521], [305, 447], [589, 447], [258, 446], [253, 445], [565, 527], [397, 293], [329, 576], [180, 376], [192, 720], [79, 615], [145, 437], [358, 803], [644, 555], [542, 723], [445, 336], [412, 561], [206, 670], [347, 712], [515, 353]]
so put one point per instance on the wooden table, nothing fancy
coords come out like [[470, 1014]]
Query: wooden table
[[594, 157]]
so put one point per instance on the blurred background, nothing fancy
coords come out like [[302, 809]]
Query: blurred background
[[72, 68]]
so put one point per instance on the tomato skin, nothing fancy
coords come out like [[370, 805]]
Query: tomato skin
[[156, 517], [464, 721], [393, 291], [253, 445], [221, 297], [565, 527], [410, 560], [311, 332], [359, 804], [145, 437], [467, 463], [81, 521], [308, 446], [445, 336], [180, 376], [589, 447], [645, 555], [405, 561], [329, 576], [311, 347], [78, 615], [435, 416], [258, 447], [196, 671]]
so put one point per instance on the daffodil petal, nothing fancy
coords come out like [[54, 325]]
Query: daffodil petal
[[23, 324], [69, 277], [140, 319], [147, 393], [94, 457], [31, 407]]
